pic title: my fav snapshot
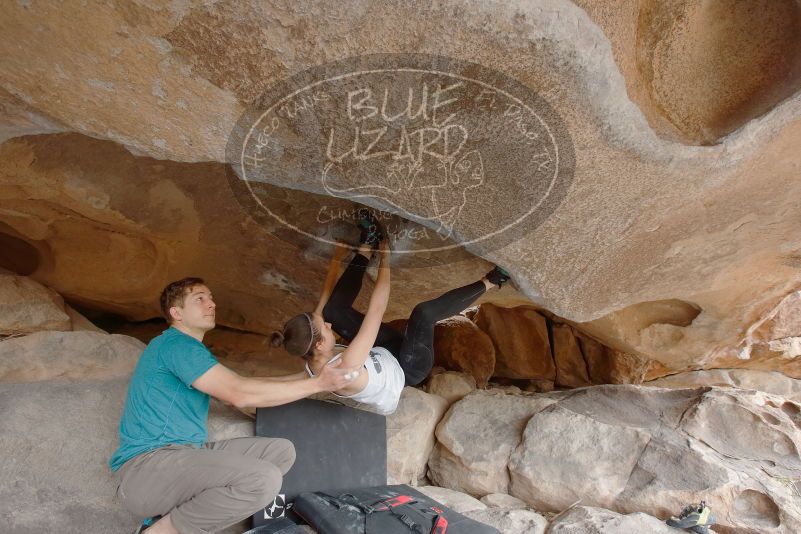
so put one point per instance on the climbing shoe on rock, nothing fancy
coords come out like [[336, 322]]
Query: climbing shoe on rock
[[694, 518], [498, 276], [371, 232]]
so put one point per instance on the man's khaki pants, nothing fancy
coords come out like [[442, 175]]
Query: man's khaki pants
[[206, 489]]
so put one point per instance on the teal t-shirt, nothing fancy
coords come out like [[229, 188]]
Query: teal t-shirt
[[162, 407]]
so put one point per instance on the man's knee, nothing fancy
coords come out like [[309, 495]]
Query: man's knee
[[265, 483], [134, 502], [284, 457], [135, 492]]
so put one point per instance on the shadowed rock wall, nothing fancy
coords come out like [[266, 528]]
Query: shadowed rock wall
[[678, 232]]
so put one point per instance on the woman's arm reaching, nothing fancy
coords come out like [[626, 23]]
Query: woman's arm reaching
[[340, 251], [359, 349]]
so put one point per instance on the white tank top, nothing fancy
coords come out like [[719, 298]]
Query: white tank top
[[385, 381]]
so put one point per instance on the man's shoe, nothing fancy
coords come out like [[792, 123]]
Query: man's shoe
[[498, 276], [146, 524], [696, 517], [371, 232]]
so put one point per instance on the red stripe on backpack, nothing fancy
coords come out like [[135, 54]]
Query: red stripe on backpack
[[440, 526], [393, 502]]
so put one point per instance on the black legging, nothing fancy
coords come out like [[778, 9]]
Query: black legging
[[414, 349]]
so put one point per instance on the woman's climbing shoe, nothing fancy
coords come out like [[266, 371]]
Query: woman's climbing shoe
[[371, 232], [695, 517], [498, 276]]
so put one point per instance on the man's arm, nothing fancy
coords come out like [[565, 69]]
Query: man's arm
[[286, 378], [243, 392]]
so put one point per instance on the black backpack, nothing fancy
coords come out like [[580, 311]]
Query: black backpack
[[382, 510]]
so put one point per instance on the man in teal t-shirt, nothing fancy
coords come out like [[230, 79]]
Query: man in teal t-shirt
[[166, 466], [162, 405]]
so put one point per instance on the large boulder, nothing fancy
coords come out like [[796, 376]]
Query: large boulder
[[68, 355], [79, 322], [502, 500], [461, 346], [476, 438], [451, 385], [607, 365], [27, 306], [567, 456], [585, 519], [455, 500], [571, 368], [781, 322], [768, 381], [508, 520], [410, 435], [511, 521], [631, 449], [749, 425], [56, 438], [520, 337], [771, 343]]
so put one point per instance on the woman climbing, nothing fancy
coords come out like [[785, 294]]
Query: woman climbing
[[387, 359]]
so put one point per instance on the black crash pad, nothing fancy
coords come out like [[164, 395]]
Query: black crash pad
[[337, 447]]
